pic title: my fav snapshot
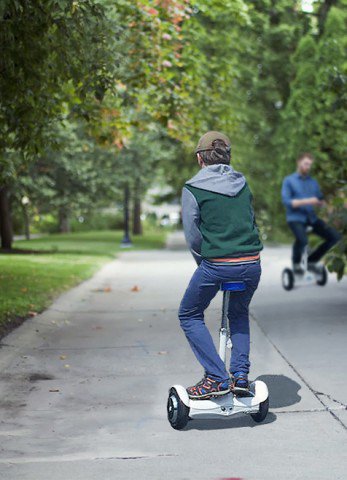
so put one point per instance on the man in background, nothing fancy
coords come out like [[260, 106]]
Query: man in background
[[300, 195]]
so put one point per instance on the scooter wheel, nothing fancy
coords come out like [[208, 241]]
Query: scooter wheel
[[263, 410], [177, 411], [288, 279], [322, 278]]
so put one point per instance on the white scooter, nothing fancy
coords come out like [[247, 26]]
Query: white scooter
[[181, 408], [291, 279]]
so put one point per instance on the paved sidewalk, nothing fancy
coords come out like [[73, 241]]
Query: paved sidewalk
[[83, 386]]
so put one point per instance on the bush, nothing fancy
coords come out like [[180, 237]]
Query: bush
[[97, 221]]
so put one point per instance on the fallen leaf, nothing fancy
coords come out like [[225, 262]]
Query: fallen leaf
[[32, 314], [67, 366], [24, 289], [163, 352], [135, 288], [62, 357], [107, 289]]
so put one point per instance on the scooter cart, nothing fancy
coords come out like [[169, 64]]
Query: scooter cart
[[291, 279], [181, 408]]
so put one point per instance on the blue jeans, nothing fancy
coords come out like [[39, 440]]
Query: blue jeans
[[320, 228], [202, 288]]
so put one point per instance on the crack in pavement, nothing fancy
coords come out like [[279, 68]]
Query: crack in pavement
[[307, 410], [144, 310], [342, 405], [79, 457], [87, 348], [318, 395]]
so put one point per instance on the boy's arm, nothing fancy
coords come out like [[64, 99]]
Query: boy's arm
[[191, 222]]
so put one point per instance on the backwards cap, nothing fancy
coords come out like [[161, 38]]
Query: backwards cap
[[206, 141]]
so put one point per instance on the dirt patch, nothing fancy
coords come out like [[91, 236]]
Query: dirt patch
[[37, 377], [8, 325]]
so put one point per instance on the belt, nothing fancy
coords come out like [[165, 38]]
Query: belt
[[236, 260]]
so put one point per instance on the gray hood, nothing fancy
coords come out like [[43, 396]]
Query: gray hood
[[218, 178]]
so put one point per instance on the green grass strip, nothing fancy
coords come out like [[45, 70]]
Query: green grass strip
[[29, 282]]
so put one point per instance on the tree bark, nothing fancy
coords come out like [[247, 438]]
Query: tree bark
[[137, 224], [5, 218], [323, 13], [26, 222], [126, 241], [64, 222]]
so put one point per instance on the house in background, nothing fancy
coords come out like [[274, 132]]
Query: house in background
[[166, 212]]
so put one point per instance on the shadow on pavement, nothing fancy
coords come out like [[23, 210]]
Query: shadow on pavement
[[237, 421], [283, 390]]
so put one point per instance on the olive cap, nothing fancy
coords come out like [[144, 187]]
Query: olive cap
[[206, 141]]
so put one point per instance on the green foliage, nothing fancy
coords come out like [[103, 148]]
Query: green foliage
[[99, 94], [315, 117], [263, 89], [97, 220], [49, 51]]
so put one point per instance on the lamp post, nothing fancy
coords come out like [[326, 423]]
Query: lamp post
[[25, 205], [126, 241]]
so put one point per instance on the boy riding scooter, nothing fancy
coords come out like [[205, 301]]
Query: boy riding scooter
[[221, 232]]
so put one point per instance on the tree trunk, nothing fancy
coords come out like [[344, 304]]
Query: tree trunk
[[64, 223], [126, 241], [26, 222], [5, 218], [137, 224], [323, 13]]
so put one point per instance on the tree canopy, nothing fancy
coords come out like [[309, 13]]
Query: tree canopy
[[96, 94]]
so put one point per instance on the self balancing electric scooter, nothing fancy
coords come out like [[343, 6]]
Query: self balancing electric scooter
[[290, 278], [181, 408]]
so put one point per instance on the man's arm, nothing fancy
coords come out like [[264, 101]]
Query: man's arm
[[306, 201], [288, 200], [191, 222], [287, 193]]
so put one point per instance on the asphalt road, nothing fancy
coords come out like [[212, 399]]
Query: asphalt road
[[83, 386]]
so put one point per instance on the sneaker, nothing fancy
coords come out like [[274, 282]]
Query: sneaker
[[208, 387], [240, 384], [315, 267]]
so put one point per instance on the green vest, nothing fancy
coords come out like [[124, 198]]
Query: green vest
[[227, 224]]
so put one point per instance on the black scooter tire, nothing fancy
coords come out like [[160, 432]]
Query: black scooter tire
[[177, 411], [288, 279], [263, 411], [324, 278]]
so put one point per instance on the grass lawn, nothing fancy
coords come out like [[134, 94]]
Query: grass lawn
[[29, 282]]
